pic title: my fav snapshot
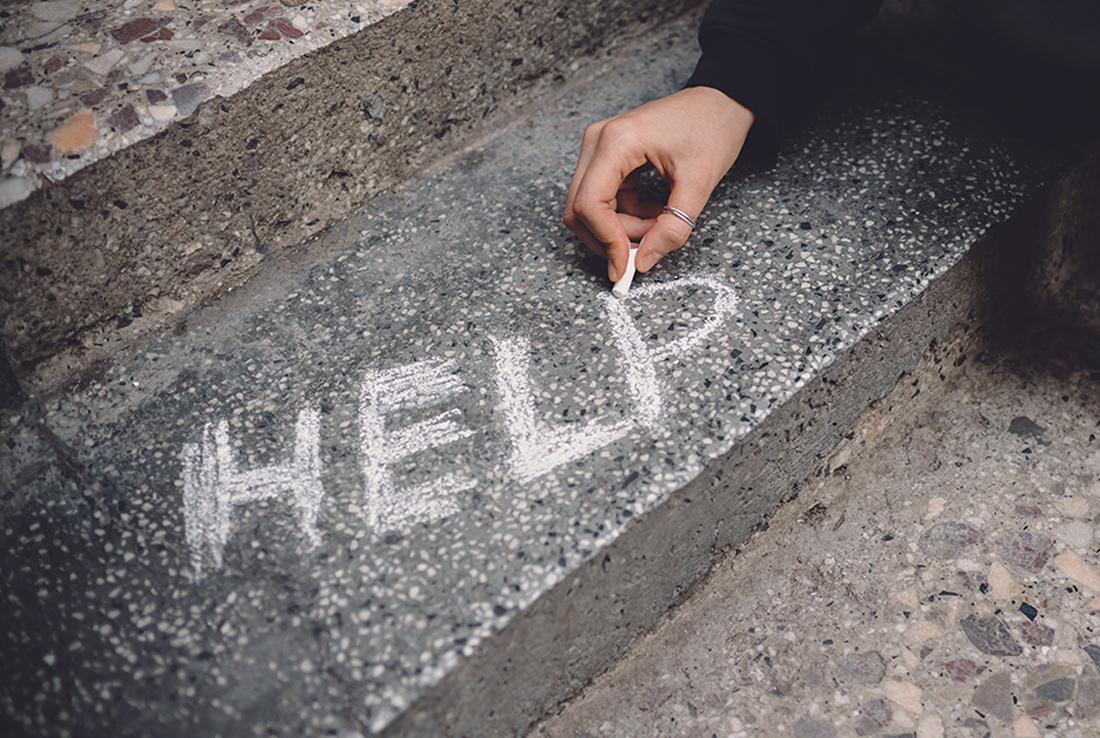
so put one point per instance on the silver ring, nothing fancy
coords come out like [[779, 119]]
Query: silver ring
[[680, 214]]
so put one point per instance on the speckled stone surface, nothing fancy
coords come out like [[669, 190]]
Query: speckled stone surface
[[85, 79], [340, 496], [942, 581], [243, 148]]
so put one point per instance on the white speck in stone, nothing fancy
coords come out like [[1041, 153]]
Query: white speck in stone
[[162, 112], [14, 189], [142, 65], [105, 62], [55, 10], [1077, 534], [10, 58], [50, 659], [37, 29], [306, 666], [38, 97]]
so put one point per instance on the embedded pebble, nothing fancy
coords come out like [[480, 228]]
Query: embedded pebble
[[930, 726], [55, 10], [861, 668], [1076, 534], [874, 716], [1024, 426], [10, 58], [947, 540], [1001, 584], [1074, 567], [1059, 690], [1074, 507], [989, 635], [1030, 551], [75, 134], [810, 728], [923, 630], [905, 694], [962, 670], [994, 696], [935, 506], [1023, 727]]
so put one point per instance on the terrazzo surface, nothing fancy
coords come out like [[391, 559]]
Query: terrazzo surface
[[942, 581], [85, 78], [304, 507]]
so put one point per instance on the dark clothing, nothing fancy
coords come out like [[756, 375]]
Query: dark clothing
[[768, 54], [762, 53]]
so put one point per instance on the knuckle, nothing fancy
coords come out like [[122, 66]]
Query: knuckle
[[592, 131], [621, 132], [677, 234], [582, 206]]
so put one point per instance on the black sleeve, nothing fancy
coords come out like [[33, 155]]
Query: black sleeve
[[766, 54]]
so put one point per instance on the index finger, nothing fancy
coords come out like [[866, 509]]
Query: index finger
[[595, 201]]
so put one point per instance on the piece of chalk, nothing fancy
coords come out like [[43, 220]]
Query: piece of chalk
[[623, 285]]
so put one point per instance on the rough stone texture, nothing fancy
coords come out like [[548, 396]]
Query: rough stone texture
[[989, 635], [478, 620], [861, 668], [947, 540], [195, 210], [820, 588], [1026, 550], [994, 696]]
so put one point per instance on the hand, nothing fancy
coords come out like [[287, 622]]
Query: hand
[[691, 138]]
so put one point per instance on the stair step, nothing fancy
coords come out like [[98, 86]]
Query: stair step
[[425, 477], [144, 173]]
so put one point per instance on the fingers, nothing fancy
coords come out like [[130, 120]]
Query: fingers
[[670, 232], [570, 217], [602, 207]]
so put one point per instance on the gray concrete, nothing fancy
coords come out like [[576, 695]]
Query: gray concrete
[[941, 580], [196, 209], [425, 478]]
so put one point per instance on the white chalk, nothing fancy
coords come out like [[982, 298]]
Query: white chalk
[[622, 287]]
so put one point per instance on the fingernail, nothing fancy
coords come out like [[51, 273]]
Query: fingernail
[[612, 272], [647, 260]]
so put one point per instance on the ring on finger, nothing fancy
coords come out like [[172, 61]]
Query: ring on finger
[[680, 214]]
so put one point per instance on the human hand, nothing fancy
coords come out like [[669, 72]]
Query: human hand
[[691, 138]]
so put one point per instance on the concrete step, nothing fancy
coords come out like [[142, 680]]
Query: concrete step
[[424, 477], [154, 154], [940, 583]]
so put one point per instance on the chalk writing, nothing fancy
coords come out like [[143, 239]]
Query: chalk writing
[[536, 447], [213, 486], [403, 388], [640, 362]]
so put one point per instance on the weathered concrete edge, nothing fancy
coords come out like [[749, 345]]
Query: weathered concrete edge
[[198, 208], [578, 629]]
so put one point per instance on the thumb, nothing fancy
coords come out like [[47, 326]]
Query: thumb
[[670, 232]]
